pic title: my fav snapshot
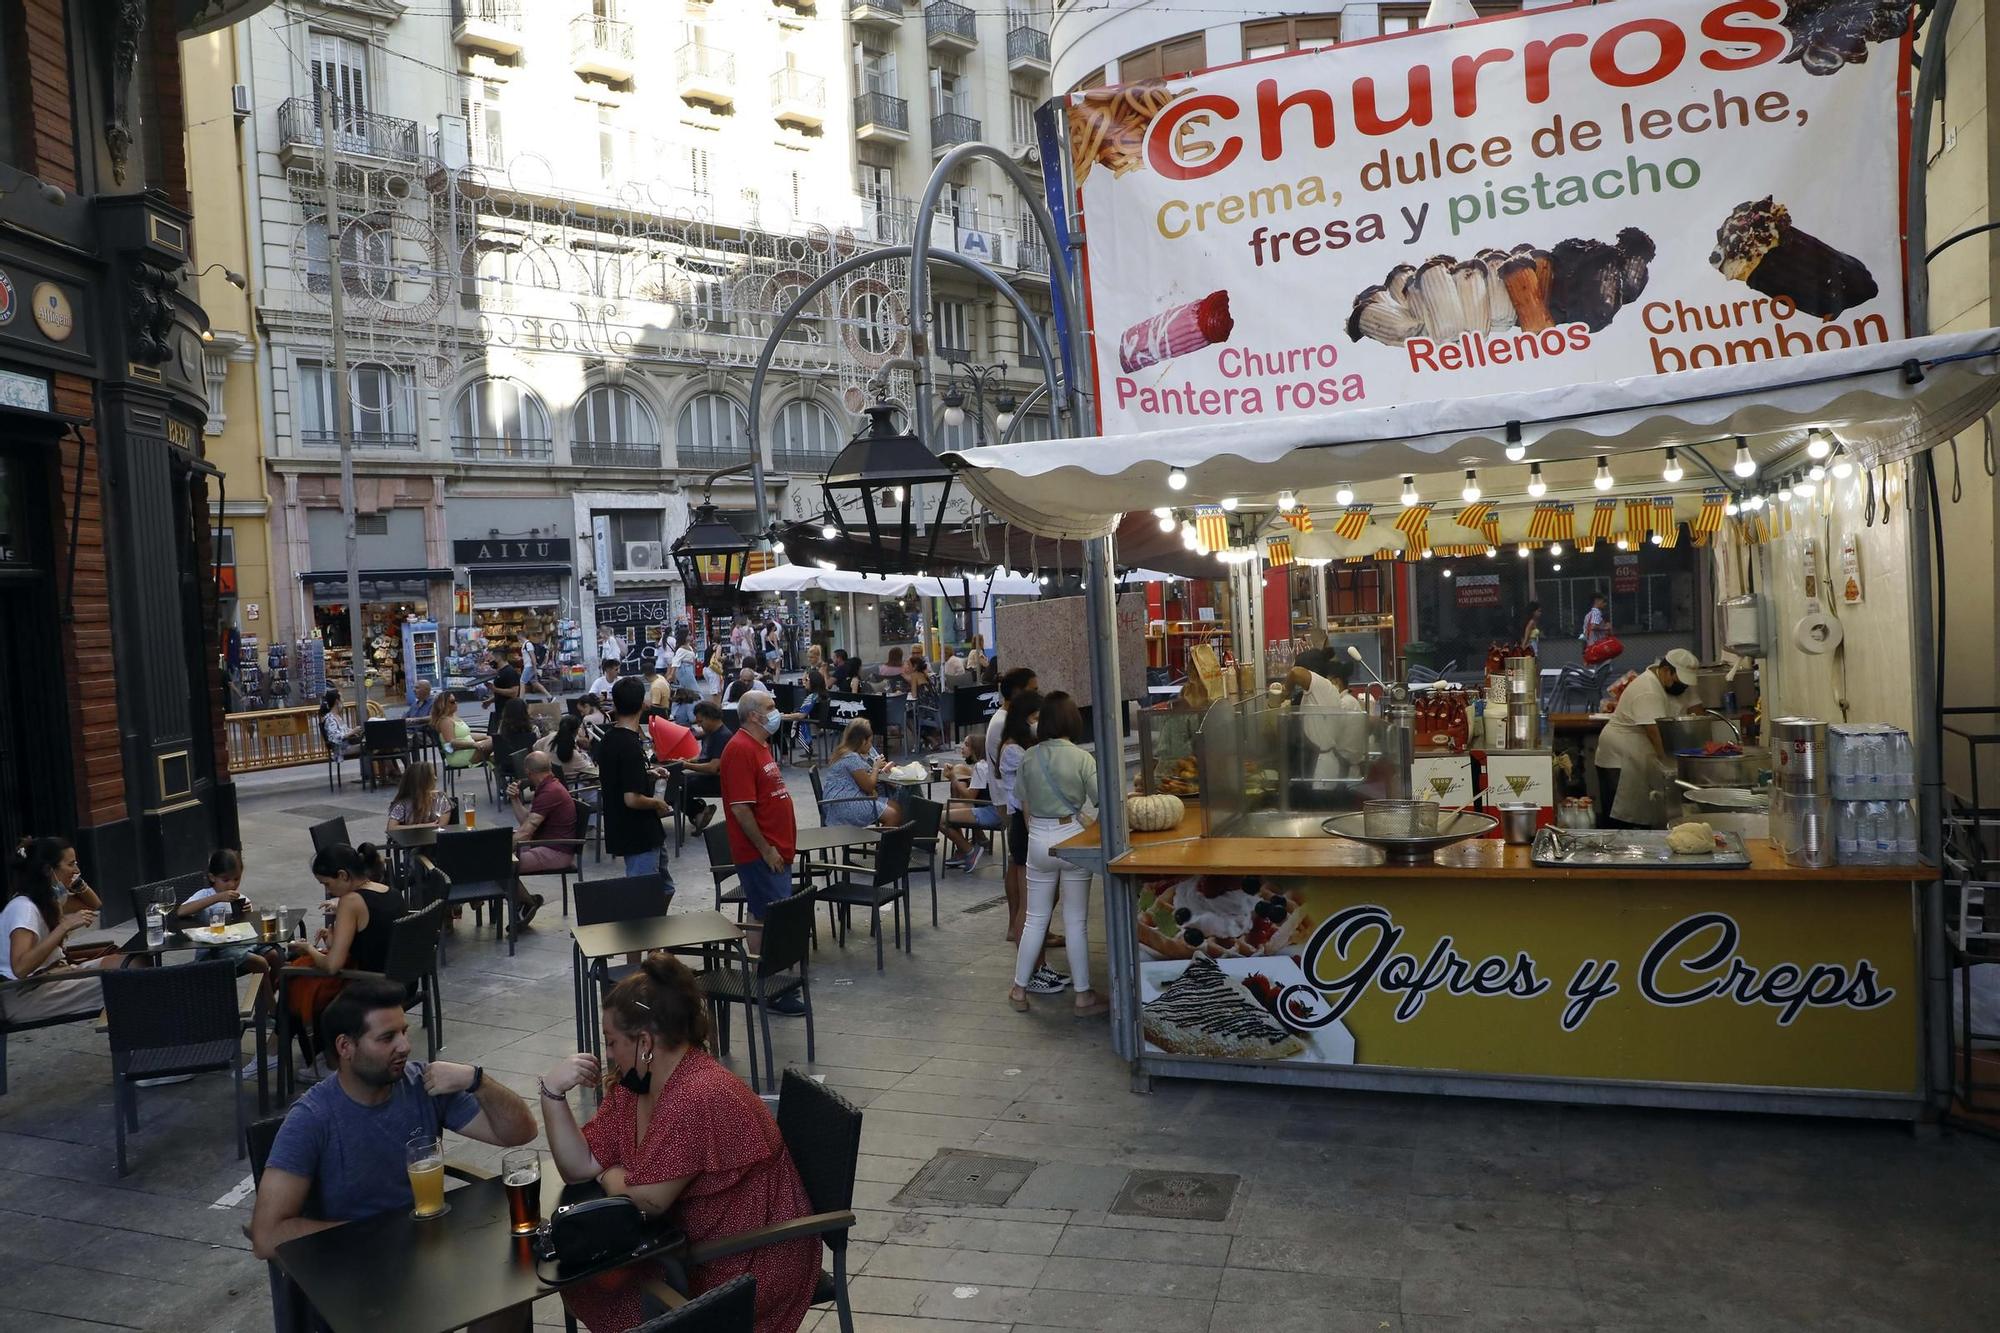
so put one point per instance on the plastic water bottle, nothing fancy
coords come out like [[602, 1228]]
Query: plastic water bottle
[[1844, 850], [1906, 833], [156, 927]]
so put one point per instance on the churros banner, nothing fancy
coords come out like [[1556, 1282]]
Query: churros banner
[[1555, 197]]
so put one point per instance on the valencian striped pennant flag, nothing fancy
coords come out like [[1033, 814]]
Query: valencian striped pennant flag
[[1638, 518], [1552, 521], [1352, 520], [759, 561], [1708, 522], [1300, 519], [1664, 521], [1415, 524], [1480, 517], [1211, 527], [1601, 519], [1278, 552]]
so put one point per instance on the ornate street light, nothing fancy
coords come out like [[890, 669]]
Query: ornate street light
[[872, 489], [711, 557]]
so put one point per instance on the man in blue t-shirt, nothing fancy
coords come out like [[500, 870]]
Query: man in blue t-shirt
[[347, 1136]]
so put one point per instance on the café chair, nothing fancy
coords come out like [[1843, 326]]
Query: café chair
[[574, 846], [722, 867], [819, 792], [9, 1025], [412, 959], [290, 1311], [926, 818], [478, 866], [329, 833], [822, 1131], [888, 886], [167, 893], [729, 1308], [167, 1021], [779, 970], [630, 898]]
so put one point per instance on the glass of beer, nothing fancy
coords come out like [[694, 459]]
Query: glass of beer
[[521, 1172], [426, 1164], [267, 925]]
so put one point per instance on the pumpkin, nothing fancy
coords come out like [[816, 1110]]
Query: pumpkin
[[1154, 814]]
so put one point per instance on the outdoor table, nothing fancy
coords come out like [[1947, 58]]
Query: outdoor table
[[672, 932], [395, 1271], [831, 838]]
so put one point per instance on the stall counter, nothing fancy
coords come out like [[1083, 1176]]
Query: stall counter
[[1771, 988]]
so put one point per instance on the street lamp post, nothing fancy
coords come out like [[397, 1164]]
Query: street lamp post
[[980, 378]]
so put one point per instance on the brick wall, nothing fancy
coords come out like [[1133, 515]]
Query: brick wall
[[169, 104], [51, 140], [86, 639]]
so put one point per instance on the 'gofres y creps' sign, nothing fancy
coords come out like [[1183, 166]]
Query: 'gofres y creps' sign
[[1555, 197]]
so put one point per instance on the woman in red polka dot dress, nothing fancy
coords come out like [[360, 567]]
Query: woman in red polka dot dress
[[679, 1134]]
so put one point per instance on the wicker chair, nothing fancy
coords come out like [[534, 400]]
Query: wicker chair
[[926, 820], [412, 959], [479, 863], [329, 833], [888, 886], [729, 1308], [780, 970], [168, 1021]]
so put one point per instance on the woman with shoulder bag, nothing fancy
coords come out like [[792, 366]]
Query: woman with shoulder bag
[[1055, 782]]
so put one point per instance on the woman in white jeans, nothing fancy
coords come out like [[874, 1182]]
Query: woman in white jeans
[[1055, 782]]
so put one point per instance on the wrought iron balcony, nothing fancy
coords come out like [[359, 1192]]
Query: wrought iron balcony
[[493, 26], [951, 127], [949, 26], [878, 117], [798, 96], [706, 457], [502, 449], [1027, 49], [585, 454], [601, 46], [707, 73], [815, 461], [363, 439], [356, 133]]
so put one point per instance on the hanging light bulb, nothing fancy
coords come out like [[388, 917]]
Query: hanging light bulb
[[1731, 509], [1657, 538], [1672, 471], [1445, 573], [1516, 451], [1345, 495], [1536, 486], [1189, 536], [1177, 480], [1843, 466], [1167, 523], [1555, 548], [1805, 486], [1229, 502], [1492, 551], [828, 532], [1409, 496], [1045, 580], [1163, 512], [1557, 567], [1427, 555], [898, 493], [1522, 550], [1602, 481], [1816, 473], [1745, 465], [1784, 490], [1471, 491], [1624, 545], [954, 408], [1818, 445], [1287, 502], [1755, 502]]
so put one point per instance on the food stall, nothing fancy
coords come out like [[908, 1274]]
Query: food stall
[[1723, 377]]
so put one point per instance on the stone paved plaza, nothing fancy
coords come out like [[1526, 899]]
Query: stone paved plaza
[[1349, 1212]]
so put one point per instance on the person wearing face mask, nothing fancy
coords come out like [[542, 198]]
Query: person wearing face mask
[[678, 1134], [1333, 722], [1631, 758]]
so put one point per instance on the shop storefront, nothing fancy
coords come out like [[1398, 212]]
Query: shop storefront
[[519, 592], [389, 597]]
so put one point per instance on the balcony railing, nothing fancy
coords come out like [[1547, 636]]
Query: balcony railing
[[951, 127], [801, 460], [891, 219], [585, 454], [502, 448], [797, 87], [706, 456], [949, 23], [707, 64], [1034, 256], [499, 13], [880, 109], [1027, 44], [888, 13], [354, 131], [589, 34], [363, 439], [486, 150]]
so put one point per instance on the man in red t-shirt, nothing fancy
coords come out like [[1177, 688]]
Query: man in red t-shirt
[[763, 829]]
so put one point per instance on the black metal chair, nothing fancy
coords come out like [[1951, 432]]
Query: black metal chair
[[888, 886], [729, 1308], [819, 792], [479, 863], [412, 959], [630, 898], [329, 833], [168, 893], [787, 946], [384, 741], [585, 815], [822, 1132], [722, 867], [926, 820], [167, 1021]]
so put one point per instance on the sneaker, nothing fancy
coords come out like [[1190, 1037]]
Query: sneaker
[[162, 1081], [1047, 981], [249, 1070], [702, 816], [971, 861], [532, 906], [790, 1005]]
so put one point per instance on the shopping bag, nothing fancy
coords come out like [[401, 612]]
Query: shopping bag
[[1603, 650]]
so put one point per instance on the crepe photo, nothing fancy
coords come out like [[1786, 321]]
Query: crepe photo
[[1578, 281], [1221, 916], [1236, 1009]]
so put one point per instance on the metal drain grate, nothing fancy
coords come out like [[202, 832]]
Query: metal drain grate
[[1187, 1196], [986, 906], [958, 1177], [321, 811]]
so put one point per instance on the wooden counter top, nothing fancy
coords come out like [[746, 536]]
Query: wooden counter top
[[1184, 851]]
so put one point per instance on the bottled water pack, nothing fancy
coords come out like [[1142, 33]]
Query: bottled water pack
[[1875, 832], [1869, 761]]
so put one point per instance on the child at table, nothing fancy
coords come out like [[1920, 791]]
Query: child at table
[[225, 889]]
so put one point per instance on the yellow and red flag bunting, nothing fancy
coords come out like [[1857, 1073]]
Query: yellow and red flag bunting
[[1352, 520], [1415, 524], [1211, 527], [1601, 519], [1479, 517], [1708, 521], [1300, 519], [1664, 521], [759, 561], [1638, 518], [1552, 521], [1278, 552]]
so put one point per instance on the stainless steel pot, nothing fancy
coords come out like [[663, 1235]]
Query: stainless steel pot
[[1688, 733], [1720, 770], [1517, 823]]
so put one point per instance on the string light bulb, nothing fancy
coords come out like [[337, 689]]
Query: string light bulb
[[1445, 573], [1624, 545], [1428, 553], [1805, 486], [1816, 473], [1672, 471], [1657, 538], [1745, 465], [828, 532], [1602, 481], [1522, 550], [1345, 495], [1287, 502], [1843, 466], [1409, 496], [1818, 445], [1516, 451], [1730, 508], [1555, 548], [1176, 480], [1163, 512], [1167, 523], [1229, 503], [1784, 490], [1537, 488], [1471, 489], [1557, 567], [1492, 551]]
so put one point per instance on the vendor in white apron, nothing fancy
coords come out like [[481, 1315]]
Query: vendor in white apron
[[1334, 722], [1633, 779]]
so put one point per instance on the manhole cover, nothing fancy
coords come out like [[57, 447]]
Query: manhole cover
[[321, 811], [986, 906], [1188, 1196], [954, 1176]]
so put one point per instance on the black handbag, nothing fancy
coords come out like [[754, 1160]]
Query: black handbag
[[597, 1231]]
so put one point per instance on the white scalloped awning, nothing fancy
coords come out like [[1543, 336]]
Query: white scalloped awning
[[1885, 402]]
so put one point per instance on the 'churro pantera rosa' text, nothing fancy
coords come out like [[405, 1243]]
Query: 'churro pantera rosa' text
[[1200, 135]]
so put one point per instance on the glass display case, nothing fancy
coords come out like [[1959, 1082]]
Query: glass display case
[[1268, 768]]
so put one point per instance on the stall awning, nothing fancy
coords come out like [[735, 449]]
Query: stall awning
[[1885, 402], [510, 571], [338, 576]]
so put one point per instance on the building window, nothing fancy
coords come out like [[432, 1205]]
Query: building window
[[627, 527], [876, 71], [1305, 32], [613, 427], [381, 406], [1408, 18], [1168, 60], [225, 546], [875, 324], [712, 430], [1023, 119], [340, 67], [496, 418], [607, 147], [14, 114], [479, 103], [367, 258], [371, 525], [1094, 79], [697, 172], [948, 92], [951, 326], [808, 436]]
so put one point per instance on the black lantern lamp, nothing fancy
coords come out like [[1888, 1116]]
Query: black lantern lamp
[[872, 490], [711, 557]]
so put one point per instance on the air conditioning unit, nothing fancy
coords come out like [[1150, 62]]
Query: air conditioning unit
[[645, 556], [239, 99]]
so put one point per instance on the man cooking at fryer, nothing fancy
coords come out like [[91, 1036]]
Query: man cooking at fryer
[[1632, 769], [1333, 722]]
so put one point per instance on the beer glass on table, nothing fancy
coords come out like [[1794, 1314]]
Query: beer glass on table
[[521, 1172], [267, 925], [426, 1164]]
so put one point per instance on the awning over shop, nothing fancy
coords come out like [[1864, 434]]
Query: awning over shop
[[998, 544], [1884, 402], [339, 576]]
